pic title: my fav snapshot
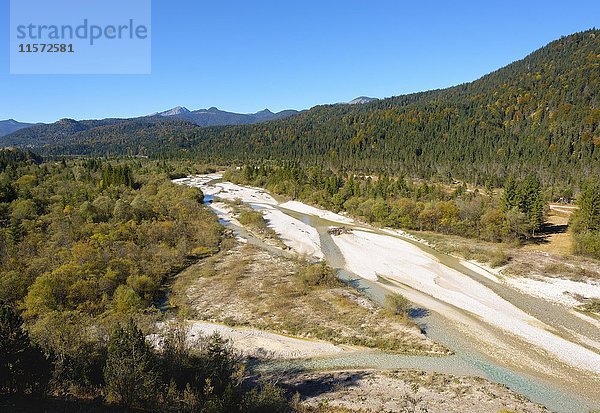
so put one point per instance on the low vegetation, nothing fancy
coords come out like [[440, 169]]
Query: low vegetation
[[253, 219], [318, 275], [397, 304], [247, 286], [514, 213], [498, 258], [255, 222], [591, 306]]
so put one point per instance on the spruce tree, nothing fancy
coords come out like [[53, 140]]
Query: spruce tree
[[588, 216], [129, 372]]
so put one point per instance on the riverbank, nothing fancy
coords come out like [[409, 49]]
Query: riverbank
[[371, 255]]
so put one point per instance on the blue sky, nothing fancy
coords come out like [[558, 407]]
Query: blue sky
[[245, 56]]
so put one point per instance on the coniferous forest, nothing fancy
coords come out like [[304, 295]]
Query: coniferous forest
[[540, 115]]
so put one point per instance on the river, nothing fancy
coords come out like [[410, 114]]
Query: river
[[556, 388]]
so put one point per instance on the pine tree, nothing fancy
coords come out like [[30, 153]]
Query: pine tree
[[588, 216], [129, 373], [530, 201], [23, 367], [509, 199]]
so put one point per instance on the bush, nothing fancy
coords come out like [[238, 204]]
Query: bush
[[498, 258], [397, 304], [126, 300], [318, 275], [252, 218], [267, 399]]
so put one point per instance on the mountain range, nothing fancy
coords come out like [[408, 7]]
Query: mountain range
[[539, 115], [216, 117], [200, 117], [14, 133]]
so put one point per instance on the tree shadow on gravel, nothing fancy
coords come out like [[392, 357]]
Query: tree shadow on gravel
[[418, 312], [294, 378], [315, 384]]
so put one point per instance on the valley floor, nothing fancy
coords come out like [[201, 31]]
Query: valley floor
[[506, 322]]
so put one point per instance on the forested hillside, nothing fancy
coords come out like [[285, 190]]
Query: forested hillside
[[9, 126], [14, 158], [538, 115], [99, 131]]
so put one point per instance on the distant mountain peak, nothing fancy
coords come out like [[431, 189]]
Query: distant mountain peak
[[177, 110], [361, 100], [217, 117], [9, 126]]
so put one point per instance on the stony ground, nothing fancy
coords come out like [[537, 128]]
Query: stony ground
[[405, 391]]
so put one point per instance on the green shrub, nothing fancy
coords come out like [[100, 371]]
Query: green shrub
[[266, 399], [253, 219], [318, 275], [397, 304]]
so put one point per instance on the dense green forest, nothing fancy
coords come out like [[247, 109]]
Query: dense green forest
[[65, 130], [64, 219], [539, 115], [85, 248]]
